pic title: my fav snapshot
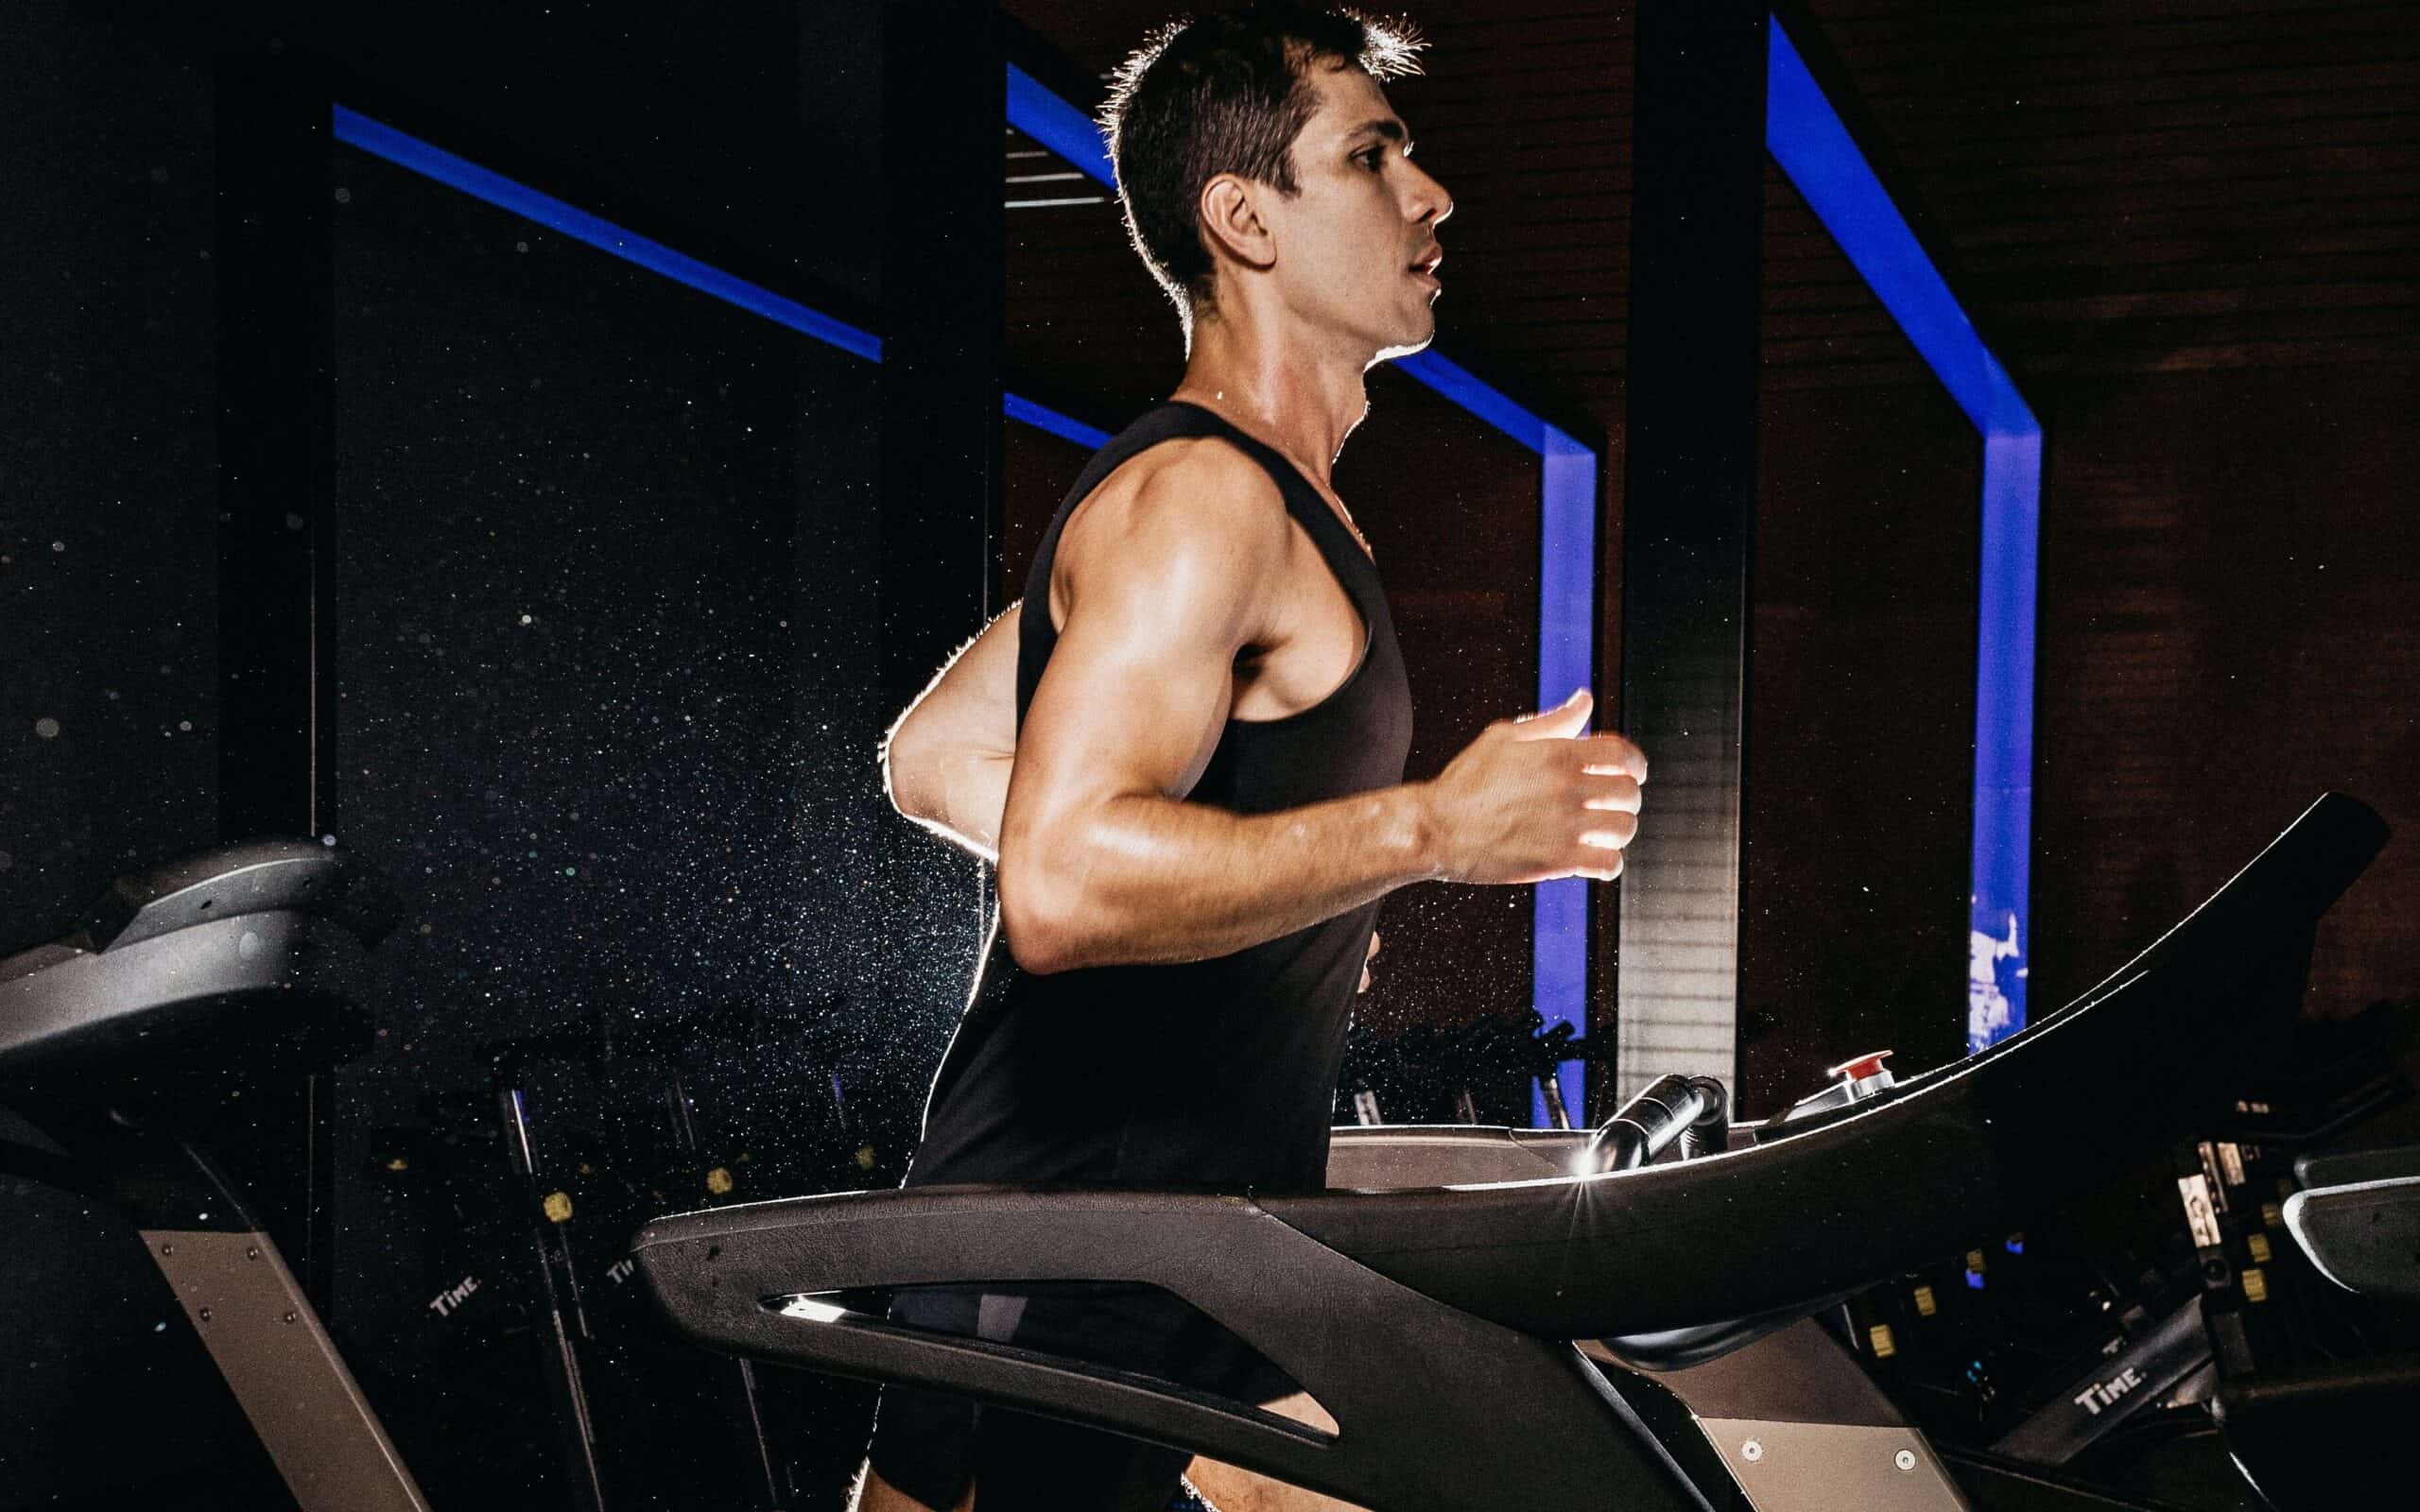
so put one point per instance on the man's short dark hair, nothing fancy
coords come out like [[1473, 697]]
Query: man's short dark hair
[[1226, 94]]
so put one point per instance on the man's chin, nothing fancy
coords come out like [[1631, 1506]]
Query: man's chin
[[1413, 348]]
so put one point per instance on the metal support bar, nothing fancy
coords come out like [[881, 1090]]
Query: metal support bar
[[1697, 226]]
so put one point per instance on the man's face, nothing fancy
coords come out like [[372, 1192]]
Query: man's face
[[1348, 243]]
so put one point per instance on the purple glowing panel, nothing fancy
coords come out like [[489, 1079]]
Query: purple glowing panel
[[1806, 137], [2003, 739], [1566, 660]]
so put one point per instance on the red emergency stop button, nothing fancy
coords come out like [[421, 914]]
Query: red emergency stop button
[[1862, 1067]]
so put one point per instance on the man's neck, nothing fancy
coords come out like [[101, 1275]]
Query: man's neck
[[1301, 401]]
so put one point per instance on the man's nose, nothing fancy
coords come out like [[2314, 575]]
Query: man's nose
[[1429, 201]]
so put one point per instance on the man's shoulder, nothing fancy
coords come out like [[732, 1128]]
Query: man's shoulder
[[1190, 488]]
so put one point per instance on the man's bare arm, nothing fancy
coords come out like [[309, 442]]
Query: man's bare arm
[[945, 762], [1101, 863]]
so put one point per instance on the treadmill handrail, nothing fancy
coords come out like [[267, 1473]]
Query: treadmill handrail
[[2363, 1235], [1395, 1364], [250, 877]]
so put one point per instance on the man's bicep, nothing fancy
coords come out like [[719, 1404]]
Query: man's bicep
[[1162, 582], [1140, 680], [1129, 705]]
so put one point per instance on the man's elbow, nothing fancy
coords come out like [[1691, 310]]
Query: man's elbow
[[907, 769], [1039, 918]]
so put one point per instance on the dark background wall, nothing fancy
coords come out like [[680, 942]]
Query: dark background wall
[[110, 439], [108, 631]]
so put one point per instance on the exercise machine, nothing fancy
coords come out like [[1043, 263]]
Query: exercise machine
[[250, 957], [2100, 1345], [1445, 1281], [192, 988]]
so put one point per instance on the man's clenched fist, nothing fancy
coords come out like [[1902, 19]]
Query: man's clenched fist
[[1535, 797]]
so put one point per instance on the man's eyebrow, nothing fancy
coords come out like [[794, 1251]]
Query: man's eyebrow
[[1389, 127]]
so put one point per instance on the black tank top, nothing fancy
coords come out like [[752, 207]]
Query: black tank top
[[1221, 1071]]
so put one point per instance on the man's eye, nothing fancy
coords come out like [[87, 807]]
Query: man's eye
[[1375, 158]]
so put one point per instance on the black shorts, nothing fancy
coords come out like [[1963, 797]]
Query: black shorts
[[932, 1444]]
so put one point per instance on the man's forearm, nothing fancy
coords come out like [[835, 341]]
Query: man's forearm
[[958, 797], [1146, 879]]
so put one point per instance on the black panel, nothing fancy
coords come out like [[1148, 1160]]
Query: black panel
[[1690, 451], [108, 458], [108, 673], [276, 771], [602, 573]]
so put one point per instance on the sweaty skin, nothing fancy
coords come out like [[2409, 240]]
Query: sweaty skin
[[947, 761], [1185, 595], [1174, 572]]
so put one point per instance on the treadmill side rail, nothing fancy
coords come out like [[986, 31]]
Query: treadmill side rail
[[1408, 1312], [2363, 1237], [284, 1372], [1390, 1157]]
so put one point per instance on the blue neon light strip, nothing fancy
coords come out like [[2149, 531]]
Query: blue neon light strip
[[1059, 125], [1017, 407], [545, 209], [1457, 383], [1806, 137], [2003, 839], [1567, 572], [1566, 658], [430, 162]]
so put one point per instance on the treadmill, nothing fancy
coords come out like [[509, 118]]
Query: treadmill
[[245, 963], [1488, 1327]]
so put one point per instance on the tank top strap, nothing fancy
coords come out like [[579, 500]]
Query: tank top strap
[[1162, 422], [1345, 556]]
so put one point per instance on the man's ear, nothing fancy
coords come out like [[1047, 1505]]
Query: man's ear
[[1231, 221]]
